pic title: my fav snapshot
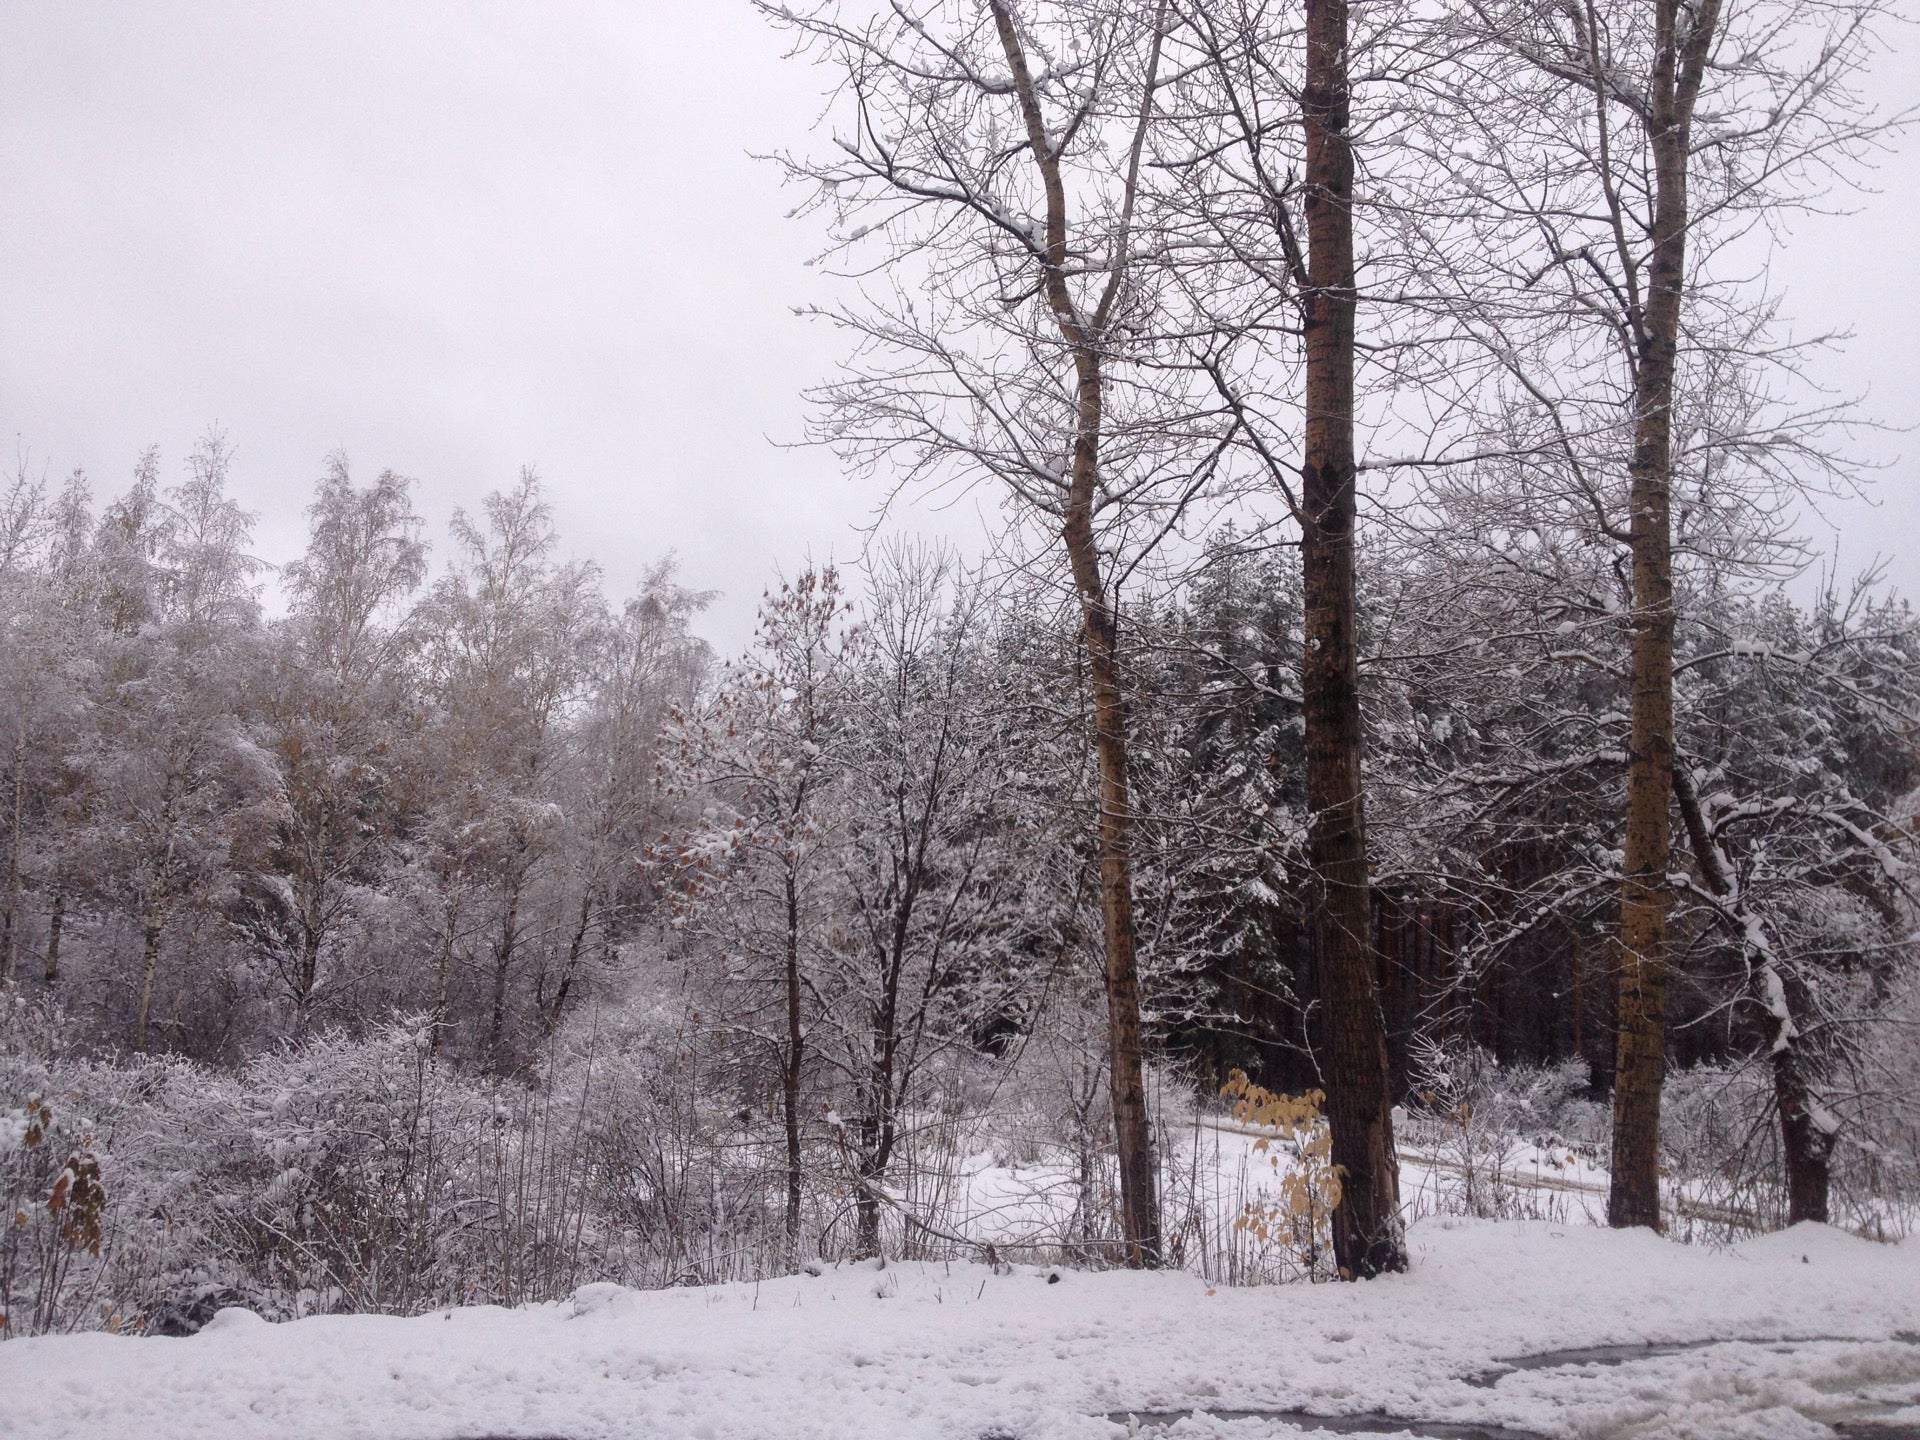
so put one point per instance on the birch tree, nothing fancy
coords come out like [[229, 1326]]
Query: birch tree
[[337, 702], [510, 634], [175, 774]]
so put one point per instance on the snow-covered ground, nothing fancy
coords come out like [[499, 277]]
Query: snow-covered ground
[[1213, 1169], [962, 1351]]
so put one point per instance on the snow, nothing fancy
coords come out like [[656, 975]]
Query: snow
[[13, 1129], [926, 1350]]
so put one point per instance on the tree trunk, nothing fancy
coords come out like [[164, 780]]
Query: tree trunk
[[1133, 1132], [877, 1142], [1640, 1064], [10, 939], [790, 1072], [502, 962], [54, 922], [1806, 1137], [1366, 1223], [149, 967], [308, 974], [445, 997], [551, 1012], [1806, 1130], [882, 1100], [866, 1200]]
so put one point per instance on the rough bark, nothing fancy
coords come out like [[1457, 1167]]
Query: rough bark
[[1806, 1139], [1139, 1201], [1133, 1135], [1640, 1065], [1366, 1223]]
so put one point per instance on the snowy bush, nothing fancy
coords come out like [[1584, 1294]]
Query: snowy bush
[[1490, 1140], [342, 1175]]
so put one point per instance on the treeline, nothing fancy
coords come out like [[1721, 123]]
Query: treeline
[[858, 856], [399, 797]]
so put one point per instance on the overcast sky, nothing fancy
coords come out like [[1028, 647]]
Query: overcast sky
[[453, 239]]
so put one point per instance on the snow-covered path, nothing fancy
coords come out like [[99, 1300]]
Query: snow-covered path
[[959, 1351]]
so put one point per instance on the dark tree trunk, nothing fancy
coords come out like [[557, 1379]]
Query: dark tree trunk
[[550, 1010], [1366, 1223], [879, 1120], [54, 923], [1640, 1057], [502, 964], [790, 1072], [149, 968], [1806, 1145], [876, 1147], [1139, 1201]]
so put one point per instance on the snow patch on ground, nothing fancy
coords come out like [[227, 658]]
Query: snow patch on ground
[[938, 1350]]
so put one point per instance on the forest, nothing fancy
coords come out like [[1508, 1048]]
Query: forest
[[1398, 713]]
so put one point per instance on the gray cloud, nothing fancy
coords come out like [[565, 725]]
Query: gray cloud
[[453, 238]]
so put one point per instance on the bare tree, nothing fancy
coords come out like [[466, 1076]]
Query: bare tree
[[996, 153], [509, 632], [1266, 223], [924, 876], [1792, 761], [648, 669], [770, 749], [1609, 152]]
